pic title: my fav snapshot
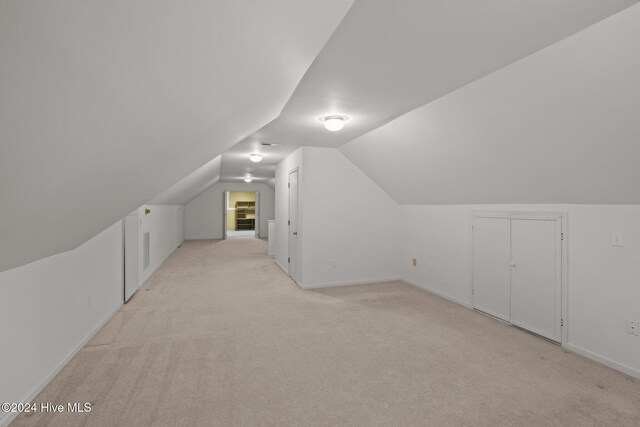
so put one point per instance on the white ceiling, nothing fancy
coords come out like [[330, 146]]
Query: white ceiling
[[389, 57], [191, 186], [236, 164], [105, 104], [560, 126], [231, 166]]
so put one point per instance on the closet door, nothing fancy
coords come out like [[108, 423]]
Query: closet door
[[491, 257], [535, 276]]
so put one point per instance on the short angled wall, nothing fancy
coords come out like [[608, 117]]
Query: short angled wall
[[602, 284], [50, 308], [162, 223]]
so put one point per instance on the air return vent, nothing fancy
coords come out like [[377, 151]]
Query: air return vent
[[145, 250]]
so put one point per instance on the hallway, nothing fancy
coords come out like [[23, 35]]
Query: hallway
[[219, 335]]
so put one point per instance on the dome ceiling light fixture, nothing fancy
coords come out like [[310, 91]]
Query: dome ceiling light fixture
[[255, 157], [248, 179], [334, 122]]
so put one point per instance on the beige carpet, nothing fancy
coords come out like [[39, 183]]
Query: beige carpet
[[220, 336]]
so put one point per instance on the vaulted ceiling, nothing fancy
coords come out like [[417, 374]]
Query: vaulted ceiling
[[388, 58], [559, 126], [105, 106], [191, 186]]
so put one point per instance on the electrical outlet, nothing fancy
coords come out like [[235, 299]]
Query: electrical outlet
[[415, 262], [430, 267], [633, 327], [88, 301], [333, 263]]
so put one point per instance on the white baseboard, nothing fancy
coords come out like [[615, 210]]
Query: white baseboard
[[286, 272], [349, 283], [438, 293], [195, 239], [4, 422], [603, 360], [579, 350], [280, 265]]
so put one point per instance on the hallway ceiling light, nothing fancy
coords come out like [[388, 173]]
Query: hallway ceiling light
[[247, 179], [334, 122], [255, 157]]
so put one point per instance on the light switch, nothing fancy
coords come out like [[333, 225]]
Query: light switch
[[616, 238]]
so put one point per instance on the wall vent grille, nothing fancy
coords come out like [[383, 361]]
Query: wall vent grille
[[145, 246]]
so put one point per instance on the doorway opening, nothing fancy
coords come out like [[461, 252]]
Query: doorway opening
[[241, 214]]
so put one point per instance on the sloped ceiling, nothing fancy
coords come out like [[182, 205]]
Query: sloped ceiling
[[236, 164], [190, 186], [104, 104], [388, 57], [233, 165], [560, 126]]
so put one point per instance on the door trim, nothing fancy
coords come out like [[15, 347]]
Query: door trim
[[299, 238], [256, 221], [225, 202], [226, 207], [563, 216]]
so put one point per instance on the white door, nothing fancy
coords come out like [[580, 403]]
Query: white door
[[491, 271], [257, 220], [294, 266], [535, 276], [131, 266]]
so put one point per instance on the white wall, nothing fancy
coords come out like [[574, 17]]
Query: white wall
[[204, 214], [46, 314], [345, 218], [60, 301], [603, 282], [291, 162], [162, 223]]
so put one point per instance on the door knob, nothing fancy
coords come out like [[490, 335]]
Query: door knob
[[513, 264], [295, 233]]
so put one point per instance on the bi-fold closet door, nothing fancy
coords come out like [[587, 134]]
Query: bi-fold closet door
[[517, 265]]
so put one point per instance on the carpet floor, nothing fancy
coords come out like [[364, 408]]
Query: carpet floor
[[220, 336]]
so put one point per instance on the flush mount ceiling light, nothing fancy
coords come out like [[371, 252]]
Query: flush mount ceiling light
[[255, 157], [334, 122], [247, 179]]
